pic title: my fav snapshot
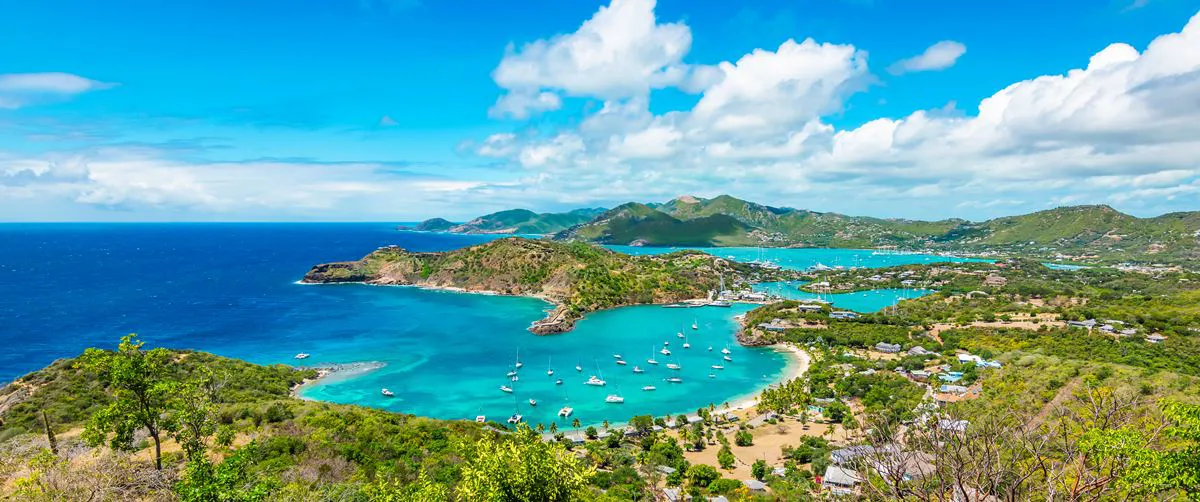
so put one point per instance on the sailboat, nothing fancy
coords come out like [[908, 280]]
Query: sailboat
[[565, 411], [727, 358], [674, 365], [578, 368], [387, 393], [637, 369], [718, 367], [686, 345], [649, 388], [615, 398], [549, 367], [694, 325], [505, 388], [516, 418], [651, 360], [621, 362], [532, 402], [664, 352], [679, 334], [519, 363], [675, 380], [726, 351], [558, 382]]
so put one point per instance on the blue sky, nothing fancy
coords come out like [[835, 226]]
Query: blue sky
[[405, 109]]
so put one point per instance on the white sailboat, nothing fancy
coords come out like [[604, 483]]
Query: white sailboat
[[651, 360], [638, 369], [558, 382], [679, 334], [664, 352], [549, 367], [532, 402], [727, 358], [516, 418], [519, 363], [593, 380], [686, 345], [726, 351], [718, 367], [710, 348], [566, 411], [674, 365], [615, 398], [649, 388], [578, 368], [675, 380], [505, 388], [621, 362], [694, 325]]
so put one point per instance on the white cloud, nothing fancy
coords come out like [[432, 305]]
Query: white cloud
[[23, 89], [938, 56], [1127, 123], [388, 121], [621, 52]]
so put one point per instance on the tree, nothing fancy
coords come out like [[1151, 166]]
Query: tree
[[189, 419], [590, 432], [554, 427], [642, 423], [743, 438], [725, 457], [521, 467], [702, 475], [605, 425], [759, 469], [140, 391], [49, 433], [576, 423]]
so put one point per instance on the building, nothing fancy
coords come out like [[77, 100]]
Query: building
[[994, 281], [1088, 324], [887, 348], [1155, 338], [755, 485], [918, 351], [840, 481], [843, 315], [808, 307]]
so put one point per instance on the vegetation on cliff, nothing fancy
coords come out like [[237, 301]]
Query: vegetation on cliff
[[578, 277], [513, 221]]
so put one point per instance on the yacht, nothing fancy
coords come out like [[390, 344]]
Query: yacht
[[712, 375], [727, 358], [479, 419], [649, 388], [686, 344], [651, 360], [558, 382], [549, 368], [532, 402], [621, 362], [675, 380], [566, 411], [710, 348], [614, 398], [515, 378], [578, 368], [515, 418], [672, 366], [720, 303], [387, 393], [717, 367], [666, 344], [595, 381], [679, 334], [616, 356], [726, 351], [637, 369], [511, 374], [519, 363], [665, 352], [505, 388], [302, 355], [694, 325]]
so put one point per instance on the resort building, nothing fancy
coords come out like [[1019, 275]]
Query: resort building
[[887, 348], [1088, 324], [995, 281], [843, 315], [1155, 338], [840, 481], [754, 485]]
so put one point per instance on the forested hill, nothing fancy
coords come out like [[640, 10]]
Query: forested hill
[[578, 277], [1096, 232]]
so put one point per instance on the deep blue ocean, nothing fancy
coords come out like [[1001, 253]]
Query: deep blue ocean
[[231, 289]]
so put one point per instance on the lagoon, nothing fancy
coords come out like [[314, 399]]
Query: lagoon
[[231, 289]]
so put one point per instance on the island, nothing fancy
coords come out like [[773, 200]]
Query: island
[[578, 278]]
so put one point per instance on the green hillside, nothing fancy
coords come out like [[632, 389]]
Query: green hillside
[[635, 223], [513, 221]]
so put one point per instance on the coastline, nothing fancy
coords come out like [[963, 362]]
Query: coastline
[[798, 362], [328, 372]]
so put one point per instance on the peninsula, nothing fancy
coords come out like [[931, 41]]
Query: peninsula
[[577, 278]]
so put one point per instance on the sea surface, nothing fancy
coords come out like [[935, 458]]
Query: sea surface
[[231, 289], [862, 301]]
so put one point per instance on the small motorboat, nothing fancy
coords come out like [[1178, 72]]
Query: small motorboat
[[511, 374], [479, 419], [505, 388], [717, 367], [675, 380], [710, 348], [578, 368], [727, 358], [649, 388], [637, 369], [387, 393], [614, 398], [566, 411], [558, 382], [679, 334], [532, 402], [595, 381], [712, 375], [616, 356], [622, 362], [302, 355]]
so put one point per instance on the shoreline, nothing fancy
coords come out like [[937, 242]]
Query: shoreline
[[325, 372], [798, 362]]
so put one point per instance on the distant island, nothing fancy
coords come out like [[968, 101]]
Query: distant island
[[578, 278], [1077, 233]]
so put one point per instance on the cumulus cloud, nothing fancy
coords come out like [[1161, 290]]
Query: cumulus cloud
[[22, 89], [621, 52], [938, 56], [1125, 128]]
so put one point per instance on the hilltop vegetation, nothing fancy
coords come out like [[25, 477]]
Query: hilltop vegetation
[[1083, 233], [579, 277], [513, 221]]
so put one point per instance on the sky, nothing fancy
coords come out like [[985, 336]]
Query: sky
[[400, 110]]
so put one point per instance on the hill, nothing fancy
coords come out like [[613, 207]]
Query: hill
[[513, 221], [1082, 233], [579, 278]]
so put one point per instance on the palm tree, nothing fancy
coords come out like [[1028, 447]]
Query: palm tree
[[575, 423], [541, 428], [606, 425], [554, 427]]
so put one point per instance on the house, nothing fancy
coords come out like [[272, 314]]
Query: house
[[887, 348], [919, 375], [779, 472], [808, 307], [673, 495], [1088, 324], [666, 470], [845, 456], [843, 315], [951, 376], [969, 358], [1155, 338], [952, 389], [994, 280], [953, 425], [755, 485], [918, 351], [840, 481], [771, 326]]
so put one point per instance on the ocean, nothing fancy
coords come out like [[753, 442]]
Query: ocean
[[231, 289]]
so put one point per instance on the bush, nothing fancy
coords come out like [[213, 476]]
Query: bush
[[743, 438], [725, 457], [724, 486]]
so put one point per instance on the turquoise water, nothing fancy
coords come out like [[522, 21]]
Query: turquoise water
[[461, 379], [231, 289], [805, 258], [1064, 266], [862, 301]]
